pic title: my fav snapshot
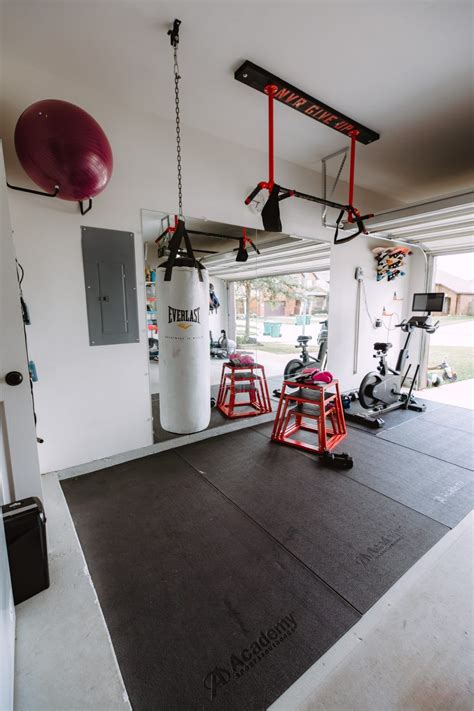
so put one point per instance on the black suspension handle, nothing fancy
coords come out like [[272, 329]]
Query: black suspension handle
[[253, 194], [359, 220]]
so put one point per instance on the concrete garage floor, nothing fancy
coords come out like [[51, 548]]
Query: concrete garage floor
[[411, 650], [64, 658]]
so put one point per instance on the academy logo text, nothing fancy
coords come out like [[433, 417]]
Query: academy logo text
[[240, 662]]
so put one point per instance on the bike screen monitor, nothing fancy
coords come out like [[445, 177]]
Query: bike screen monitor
[[428, 302]]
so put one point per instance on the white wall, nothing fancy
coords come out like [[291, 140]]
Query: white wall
[[21, 475], [342, 308], [418, 283], [93, 402]]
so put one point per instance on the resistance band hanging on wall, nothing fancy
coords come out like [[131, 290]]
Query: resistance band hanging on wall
[[182, 290], [276, 88]]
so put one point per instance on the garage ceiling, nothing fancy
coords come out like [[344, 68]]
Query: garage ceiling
[[279, 253], [286, 255], [155, 222], [402, 68], [444, 226]]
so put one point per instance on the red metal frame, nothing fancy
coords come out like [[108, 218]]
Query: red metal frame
[[353, 215], [326, 406], [169, 230], [254, 384]]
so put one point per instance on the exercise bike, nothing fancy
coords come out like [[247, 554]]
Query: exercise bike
[[381, 391], [305, 359], [153, 349]]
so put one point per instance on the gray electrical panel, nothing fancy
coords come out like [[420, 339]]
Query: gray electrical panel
[[111, 286]]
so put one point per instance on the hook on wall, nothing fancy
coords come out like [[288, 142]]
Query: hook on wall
[[85, 210], [34, 192]]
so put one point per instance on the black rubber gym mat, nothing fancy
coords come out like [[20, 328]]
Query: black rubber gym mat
[[161, 435], [356, 539], [394, 418], [205, 610], [446, 443], [217, 418], [433, 487]]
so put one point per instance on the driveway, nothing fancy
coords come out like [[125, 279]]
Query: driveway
[[454, 334]]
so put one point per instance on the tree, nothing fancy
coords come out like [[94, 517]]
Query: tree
[[269, 288]]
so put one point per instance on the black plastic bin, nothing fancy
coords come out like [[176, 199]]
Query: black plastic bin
[[25, 533]]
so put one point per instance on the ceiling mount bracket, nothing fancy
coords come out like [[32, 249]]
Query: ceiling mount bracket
[[259, 79], [174, 33]]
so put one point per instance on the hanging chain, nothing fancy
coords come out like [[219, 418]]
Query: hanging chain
[[177, 77]]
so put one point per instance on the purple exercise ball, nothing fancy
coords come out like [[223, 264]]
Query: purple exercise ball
[[59, 143]]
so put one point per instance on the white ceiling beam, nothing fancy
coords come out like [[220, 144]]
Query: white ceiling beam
[[455, 233], [257, 264], [460, 222], [451, 205], [449, 250], [275, 245], [284, 255], [286, 248], [238, 276]]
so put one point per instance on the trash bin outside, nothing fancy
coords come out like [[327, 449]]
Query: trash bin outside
[[25, 533], [272, 329]]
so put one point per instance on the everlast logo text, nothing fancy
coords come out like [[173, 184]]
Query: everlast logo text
[[183, 315], [241, 661]]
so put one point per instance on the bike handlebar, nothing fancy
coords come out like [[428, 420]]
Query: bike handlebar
[[428, 327]]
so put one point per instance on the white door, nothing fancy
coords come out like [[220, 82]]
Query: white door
[[19, 466], [22, 475]]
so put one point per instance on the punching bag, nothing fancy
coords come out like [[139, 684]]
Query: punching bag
[[182, 291]]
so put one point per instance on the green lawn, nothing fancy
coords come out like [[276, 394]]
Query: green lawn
[[460, 358]]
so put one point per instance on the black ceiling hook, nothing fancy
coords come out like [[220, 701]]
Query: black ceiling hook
[[174, 33]]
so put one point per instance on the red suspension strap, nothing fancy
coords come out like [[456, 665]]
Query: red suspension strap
[[271, 90], [353, 136], [271, 210]]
